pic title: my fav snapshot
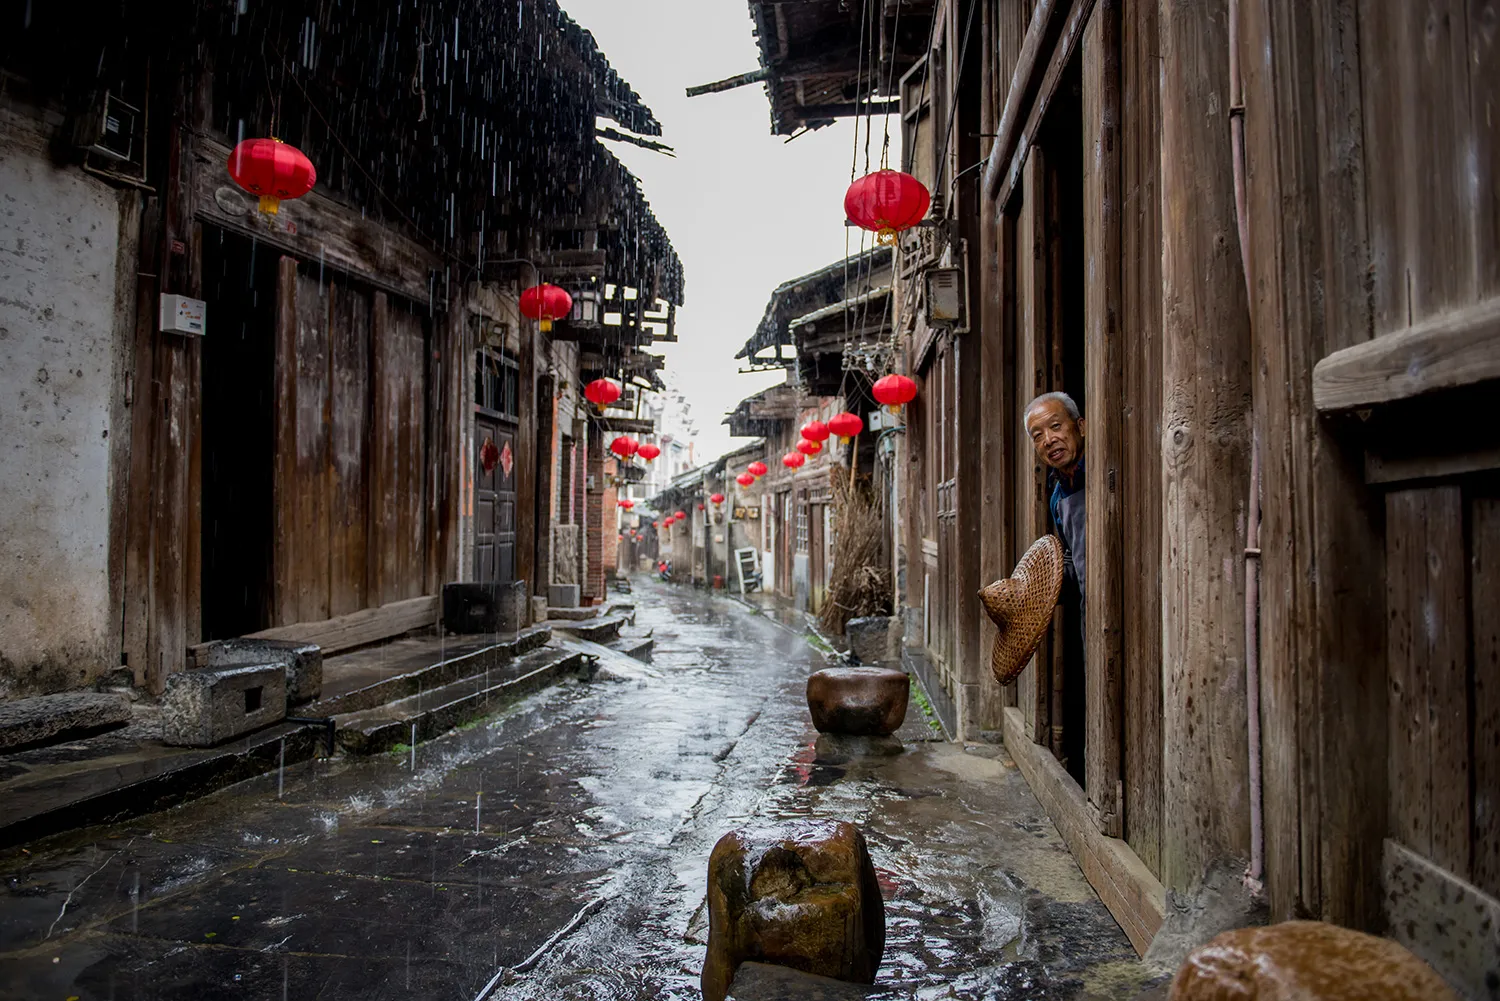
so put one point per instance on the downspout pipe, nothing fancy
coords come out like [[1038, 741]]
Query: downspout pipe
[[1254, 876]]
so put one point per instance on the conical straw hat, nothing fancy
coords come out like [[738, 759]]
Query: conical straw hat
[[1021, 606]]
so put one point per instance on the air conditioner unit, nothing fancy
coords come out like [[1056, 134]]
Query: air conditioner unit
[[944, 302], [112, 129]]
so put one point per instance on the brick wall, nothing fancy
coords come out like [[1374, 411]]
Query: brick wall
[[593, 514]]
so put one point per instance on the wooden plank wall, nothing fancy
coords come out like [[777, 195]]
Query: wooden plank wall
[[1206, 388], [353, 484], [1140, 330]]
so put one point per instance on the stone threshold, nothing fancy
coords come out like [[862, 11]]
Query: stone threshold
[[1132, 893]]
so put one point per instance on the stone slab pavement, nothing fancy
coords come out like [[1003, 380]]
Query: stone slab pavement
[[559, 851]]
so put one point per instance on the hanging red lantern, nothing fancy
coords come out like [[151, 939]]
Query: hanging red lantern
[[627, 503], [602, 392], [717, 498], [623, 447], [622, 538], [886, 203], [894, 391], [546, 303], [700, 507], [273, 170], [846, 425], [815, 431], [680, 515], [809, 447], [793, 459], [648, 452], [656, 524], [757, 468], [745, 480]]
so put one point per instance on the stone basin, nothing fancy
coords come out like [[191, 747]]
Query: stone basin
[[859, 701]]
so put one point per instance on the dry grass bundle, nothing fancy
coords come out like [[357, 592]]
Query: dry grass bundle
[[859, 582]]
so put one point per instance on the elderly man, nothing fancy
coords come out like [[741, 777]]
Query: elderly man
[[1056, 429]]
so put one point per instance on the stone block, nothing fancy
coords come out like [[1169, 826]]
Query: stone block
[[303, 662], [874, 639], [1305, 961], [538, 609], [867, 701], [40, 720], [764, 982], [209, 705], [803, 896], [564, 595], [486, 608]]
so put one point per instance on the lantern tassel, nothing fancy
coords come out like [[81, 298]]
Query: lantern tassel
[[270, 204], [886, 237], [546, 325]]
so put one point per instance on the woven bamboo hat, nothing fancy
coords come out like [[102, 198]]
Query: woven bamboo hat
[[1021, 606]]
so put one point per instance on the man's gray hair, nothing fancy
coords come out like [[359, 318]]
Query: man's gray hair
[[1067, 404]]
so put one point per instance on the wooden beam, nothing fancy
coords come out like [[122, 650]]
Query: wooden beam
[[729, 83], [814, 112], [345, 632], [1447, 351], [626, 425], [1022, 84], [1135, 897], [1066, 44]]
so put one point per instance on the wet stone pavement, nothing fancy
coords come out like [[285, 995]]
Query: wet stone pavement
[[559, 850]]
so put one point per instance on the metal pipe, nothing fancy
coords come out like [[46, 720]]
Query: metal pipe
[[1254, 875]]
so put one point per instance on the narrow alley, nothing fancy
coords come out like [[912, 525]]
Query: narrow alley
[[559, 851]]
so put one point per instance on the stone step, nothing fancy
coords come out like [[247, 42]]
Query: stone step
[[52, 719], [573, 614], [436, 711], [600, 630], [464, 659], [639, 647], [765, 982]]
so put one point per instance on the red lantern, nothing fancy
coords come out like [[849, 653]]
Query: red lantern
[[623, 447], [846, 425], [700, 507], [793, 459], [656, 524], [887, 202], [757, 468], [717, 498], [894, 390], [627, 503], [809, 447], [273, 170], [546, 303], [815, 431], [602, 392], [745, 480], [648, 452], [680, 515], [622, 538]]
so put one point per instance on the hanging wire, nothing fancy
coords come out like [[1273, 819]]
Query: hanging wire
[[963, 56]]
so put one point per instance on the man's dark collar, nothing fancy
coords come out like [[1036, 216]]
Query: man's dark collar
[[1071, 483]]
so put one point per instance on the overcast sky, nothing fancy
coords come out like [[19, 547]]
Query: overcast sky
[[745, 210]]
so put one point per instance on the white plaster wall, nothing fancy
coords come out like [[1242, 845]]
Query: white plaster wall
[[59, 244]]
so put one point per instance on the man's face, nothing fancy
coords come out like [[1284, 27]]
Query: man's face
[[1058, 438]]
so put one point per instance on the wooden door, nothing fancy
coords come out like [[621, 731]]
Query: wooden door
[[497, 382], [943, 624]]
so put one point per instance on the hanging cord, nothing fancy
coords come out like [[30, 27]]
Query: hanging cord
[[890, 84]]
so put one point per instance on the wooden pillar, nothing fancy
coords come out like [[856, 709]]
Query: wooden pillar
[[968, 614], [1105, 411], [526, 462], [1206, 380]]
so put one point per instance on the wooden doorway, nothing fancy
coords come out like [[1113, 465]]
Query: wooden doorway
[[496, 401]]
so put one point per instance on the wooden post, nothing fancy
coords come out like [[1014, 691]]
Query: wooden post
[[1206, 378], [1140, 477], [526, 463], [1104, 408]]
